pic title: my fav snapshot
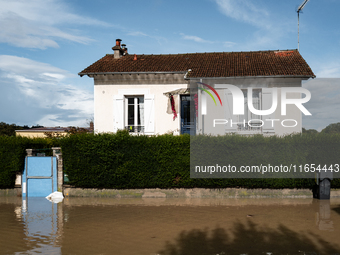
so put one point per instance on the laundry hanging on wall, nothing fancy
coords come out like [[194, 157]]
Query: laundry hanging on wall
[[172, 107]]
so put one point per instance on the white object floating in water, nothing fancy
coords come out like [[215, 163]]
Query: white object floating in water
[[55, 197]]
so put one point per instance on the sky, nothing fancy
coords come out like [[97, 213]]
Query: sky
[[44, 44]]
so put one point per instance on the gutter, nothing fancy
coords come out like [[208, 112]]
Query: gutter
[[186, 73], [105, 73], [251, 77]]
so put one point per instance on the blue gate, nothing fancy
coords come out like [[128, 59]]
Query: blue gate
[[39, 178]]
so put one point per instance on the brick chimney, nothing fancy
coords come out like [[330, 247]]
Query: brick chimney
[[118, 51], [124, 49]]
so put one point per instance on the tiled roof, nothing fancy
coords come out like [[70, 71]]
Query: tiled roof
[[222, 64], [48, 129]]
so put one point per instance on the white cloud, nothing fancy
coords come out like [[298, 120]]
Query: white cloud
[[54, 75], [48, 12], [137, 33], [38, 93], [194, 38], [267, 24], [160, 40], [246, 11], [28, 67], [328, 70], [37, 23], [229, 44]]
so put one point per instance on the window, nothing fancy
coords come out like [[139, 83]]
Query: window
[[250, 121], [134, 114]]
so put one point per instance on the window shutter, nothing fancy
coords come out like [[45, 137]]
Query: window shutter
[[228, 110], [149, 115], [267, 100], [118, 111]]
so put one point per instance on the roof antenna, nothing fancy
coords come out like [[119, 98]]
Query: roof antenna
[[298, 12]]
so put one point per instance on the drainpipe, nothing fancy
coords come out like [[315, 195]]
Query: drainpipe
[[185, 76], [201, 97]]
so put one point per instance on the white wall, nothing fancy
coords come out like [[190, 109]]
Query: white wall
[[104, 114], [107, 87], [292, 113], [221, 112]]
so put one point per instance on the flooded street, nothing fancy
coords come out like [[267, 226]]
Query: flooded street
[[169, 226]]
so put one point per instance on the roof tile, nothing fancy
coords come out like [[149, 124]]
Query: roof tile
[[220, 64]]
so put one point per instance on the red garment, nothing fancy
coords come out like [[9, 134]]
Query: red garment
[[173, 107]]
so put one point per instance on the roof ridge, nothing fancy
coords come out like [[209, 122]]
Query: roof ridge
[[215, 52]]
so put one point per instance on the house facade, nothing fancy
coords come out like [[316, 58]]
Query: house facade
[[43, 132], [177, 93]]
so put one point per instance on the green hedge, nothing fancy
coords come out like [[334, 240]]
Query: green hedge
[[12, 152], [255, 150], [12, 155], [123, 161]]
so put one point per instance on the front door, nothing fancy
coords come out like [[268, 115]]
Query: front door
[[187, 116]]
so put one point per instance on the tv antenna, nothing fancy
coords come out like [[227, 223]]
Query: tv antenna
[[298, 12]]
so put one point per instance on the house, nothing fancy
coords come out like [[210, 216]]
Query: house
[[157, 94], [43, 132]]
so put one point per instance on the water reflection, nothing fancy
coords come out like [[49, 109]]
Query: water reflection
[[40, 217], [169, 226], [323, 215]]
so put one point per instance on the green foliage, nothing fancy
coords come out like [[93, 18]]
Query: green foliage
[[12, 155], [256, 150], [12, 152], [332, 129], [8, 129], [123, 161], [309, 131]]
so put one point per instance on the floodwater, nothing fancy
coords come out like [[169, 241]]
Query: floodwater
[[169, 226]]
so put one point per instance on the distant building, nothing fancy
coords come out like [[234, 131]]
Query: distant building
[[48, 131], [150, 94]]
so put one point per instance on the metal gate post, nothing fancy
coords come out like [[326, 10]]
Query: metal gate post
[[323, 184], [60, 175]]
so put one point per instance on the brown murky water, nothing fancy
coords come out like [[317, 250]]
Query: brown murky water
[[170, 226]]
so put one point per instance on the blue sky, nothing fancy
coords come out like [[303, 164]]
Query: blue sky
[[45, 43]]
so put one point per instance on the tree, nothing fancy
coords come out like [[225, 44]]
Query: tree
[[37, 126], [309, 131], [333, 128], [8, 129], [76, 130]]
